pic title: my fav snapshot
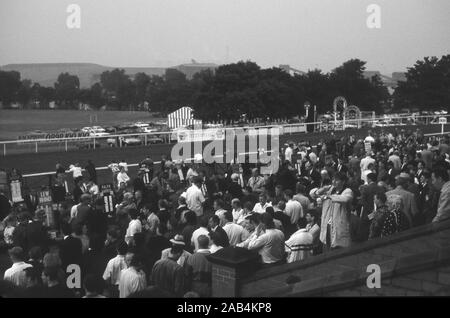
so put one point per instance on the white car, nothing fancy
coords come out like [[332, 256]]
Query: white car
[[140, 124], [126, 141], [98, 129], [98, 134], [148, 129]]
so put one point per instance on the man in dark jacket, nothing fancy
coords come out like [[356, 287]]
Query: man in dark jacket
[[70, 249], [36, 232], [234, 188], [90, 168], [20, 232], [214, 226]]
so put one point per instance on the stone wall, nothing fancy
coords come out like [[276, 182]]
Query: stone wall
[[414, 262]]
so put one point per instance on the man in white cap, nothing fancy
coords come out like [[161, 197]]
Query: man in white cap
[[177, 244]]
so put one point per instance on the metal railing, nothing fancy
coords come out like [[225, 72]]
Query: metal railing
[[71, 143]]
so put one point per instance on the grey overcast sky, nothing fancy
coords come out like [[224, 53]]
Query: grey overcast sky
[[306, 34]]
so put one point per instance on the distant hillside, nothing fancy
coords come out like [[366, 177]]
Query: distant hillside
[[89, 73], [46, 73]]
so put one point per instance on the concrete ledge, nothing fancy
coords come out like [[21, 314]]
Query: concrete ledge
[[354, 278], [356, 249]]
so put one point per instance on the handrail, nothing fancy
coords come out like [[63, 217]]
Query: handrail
[[128, 165]]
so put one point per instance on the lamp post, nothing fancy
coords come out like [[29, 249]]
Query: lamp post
[[307, 105]]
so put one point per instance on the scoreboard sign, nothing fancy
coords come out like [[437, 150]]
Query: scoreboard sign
[[107, 187], [16, 191], [46, 204], [108, 197]]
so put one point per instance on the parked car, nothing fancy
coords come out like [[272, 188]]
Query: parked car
[[111, 129], [148, 129], [98, 129], [94, 133], [126, 141], [152, 139], [140, 124]]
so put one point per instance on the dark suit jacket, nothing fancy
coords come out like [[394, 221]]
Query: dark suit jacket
[[36, 235], [235, 190], [70, 252], [367, 195], [224, 242]]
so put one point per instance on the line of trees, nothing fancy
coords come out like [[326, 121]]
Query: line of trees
[[241, 88]]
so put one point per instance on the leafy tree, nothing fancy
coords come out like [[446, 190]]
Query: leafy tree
[[9, 86], [24, 92], [67, 88], [427, 85], [141, 83], [118, 87]]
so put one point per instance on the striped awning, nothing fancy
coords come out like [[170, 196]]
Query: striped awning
[[182, 117]]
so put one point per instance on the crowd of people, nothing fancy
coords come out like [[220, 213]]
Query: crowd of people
[[166, 219]]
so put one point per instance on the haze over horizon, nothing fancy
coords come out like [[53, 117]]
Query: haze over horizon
[[162, 33]]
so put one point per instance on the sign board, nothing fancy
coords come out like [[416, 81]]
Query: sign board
[[16, 191], [442, 120], [107, 187], [46, 204], [146, 177], [185, 135], [108, 201], [108, 198], [44, 197]]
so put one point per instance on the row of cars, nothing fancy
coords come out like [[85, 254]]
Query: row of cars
[[115, 136]]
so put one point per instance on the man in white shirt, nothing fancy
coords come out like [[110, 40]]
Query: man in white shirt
[[288, 152], [115, 265], [16, 274], [256, 182], [219, 210], [236, 233], [92, 188], [261, 206], [123, 164], [237, 209], [395, 159], [365, 162], [194, 197], [268, 241], [293, 208], [202, 230], [133, 278], [299, 246], [76, 171], [134, 226], [122, 177]]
